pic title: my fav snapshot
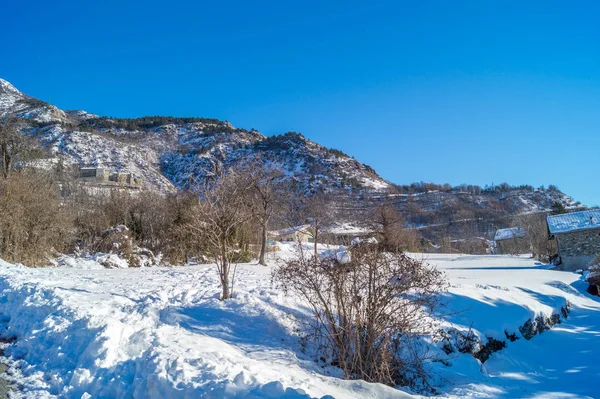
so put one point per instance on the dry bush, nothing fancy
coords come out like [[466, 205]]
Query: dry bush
[[90, 218], [180, 244], [15, 148], [118, 240], [149, 216], [370, 313], [33, 223]]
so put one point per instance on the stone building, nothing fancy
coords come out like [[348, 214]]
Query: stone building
[[103, 177], [292, 234], [577, 237]]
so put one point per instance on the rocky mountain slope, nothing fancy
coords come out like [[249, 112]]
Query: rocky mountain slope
[[174, 153]]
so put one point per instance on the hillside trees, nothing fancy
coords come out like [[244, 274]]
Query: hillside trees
[[14, 146], [558, 208]]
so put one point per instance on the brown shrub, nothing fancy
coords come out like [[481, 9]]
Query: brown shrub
[[33, 223], [369, 313]]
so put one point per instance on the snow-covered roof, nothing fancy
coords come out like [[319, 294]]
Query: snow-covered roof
[[511, 232], [289, 230], [575, 221], [347, 229]]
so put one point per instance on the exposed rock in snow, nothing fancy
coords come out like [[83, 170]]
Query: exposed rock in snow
[[80, 114]]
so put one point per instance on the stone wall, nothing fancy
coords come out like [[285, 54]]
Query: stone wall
[[579, 248]]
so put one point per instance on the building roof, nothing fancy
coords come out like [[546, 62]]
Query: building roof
[[511, 232], [347, 229], [575, 221], [290, 230]]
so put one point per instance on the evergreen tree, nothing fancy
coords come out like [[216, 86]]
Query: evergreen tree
[[558, 208]]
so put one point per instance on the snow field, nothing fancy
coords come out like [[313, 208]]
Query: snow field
[[85, 332], [157, 333]]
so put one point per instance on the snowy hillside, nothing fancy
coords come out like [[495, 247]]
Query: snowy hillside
[[13, 102], [170, 153], [162, 332]]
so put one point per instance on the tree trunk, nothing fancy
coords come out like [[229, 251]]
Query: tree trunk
[[316, 237], [6, 162], [224, 274], [263, 244]]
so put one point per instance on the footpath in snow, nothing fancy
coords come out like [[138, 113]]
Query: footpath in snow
[[162, 332]]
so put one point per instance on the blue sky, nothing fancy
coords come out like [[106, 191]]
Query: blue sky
[[476, 92]]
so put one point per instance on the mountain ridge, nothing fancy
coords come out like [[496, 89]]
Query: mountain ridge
[[179, 150], [174, 153]]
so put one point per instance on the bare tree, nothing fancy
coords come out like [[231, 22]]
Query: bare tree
[[390, 228], [266, 198], [315, 212], [368, 313], [218, 218], [537, 236]]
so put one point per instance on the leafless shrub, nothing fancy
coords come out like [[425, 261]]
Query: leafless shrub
[[33, 223], [369, 314], [150, 218], [181, 243]]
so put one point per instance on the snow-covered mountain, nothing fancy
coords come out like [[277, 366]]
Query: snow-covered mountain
[[170, 153]]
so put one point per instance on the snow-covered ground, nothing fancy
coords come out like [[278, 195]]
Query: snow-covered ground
[[163, 333]]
